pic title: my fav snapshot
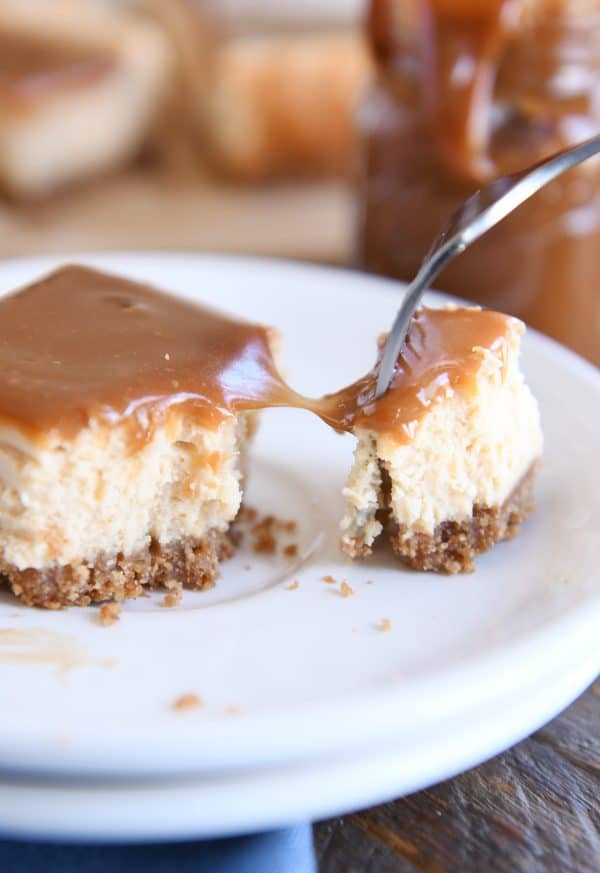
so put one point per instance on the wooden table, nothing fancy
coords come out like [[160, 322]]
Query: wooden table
[[139, 210], [534, 809]]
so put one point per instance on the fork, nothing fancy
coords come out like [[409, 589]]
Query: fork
[[475, 217]]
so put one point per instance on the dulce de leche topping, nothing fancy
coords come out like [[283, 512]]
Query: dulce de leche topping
[[443, 352], [80, 346]]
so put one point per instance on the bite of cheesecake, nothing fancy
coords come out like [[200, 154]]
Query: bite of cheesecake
[[446, 459]]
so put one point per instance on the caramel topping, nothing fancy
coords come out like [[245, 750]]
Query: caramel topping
[[31, 69], [81, 346], [442, 355]]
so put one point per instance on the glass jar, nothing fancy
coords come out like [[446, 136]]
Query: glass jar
[[468, 90]]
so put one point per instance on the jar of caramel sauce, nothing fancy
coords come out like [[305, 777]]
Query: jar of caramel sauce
[[468, 90]]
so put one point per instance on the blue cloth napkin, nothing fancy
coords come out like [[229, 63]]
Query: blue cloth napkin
[[285, 851]]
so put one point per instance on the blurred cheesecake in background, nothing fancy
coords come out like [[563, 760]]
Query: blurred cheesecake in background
[[86, 86], [274, 88], [81, 89], [284, 104]]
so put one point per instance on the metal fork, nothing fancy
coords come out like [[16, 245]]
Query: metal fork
[[475, 217]]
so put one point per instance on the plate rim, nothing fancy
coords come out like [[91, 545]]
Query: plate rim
[[360, 788]]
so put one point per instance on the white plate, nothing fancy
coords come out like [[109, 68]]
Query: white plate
[[261, 798], [306, 671]]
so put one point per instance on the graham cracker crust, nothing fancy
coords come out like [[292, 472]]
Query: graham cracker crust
[[453, 546], [189, 563]]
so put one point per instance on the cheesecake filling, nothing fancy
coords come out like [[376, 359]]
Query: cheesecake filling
[[95, 496]]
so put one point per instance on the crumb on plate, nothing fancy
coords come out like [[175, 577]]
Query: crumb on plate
[[247, 513], [187, 701], [174, 593], [265, 531], [109, 613]]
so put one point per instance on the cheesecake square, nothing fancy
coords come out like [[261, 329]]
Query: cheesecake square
[[446, 459], [125, 415]]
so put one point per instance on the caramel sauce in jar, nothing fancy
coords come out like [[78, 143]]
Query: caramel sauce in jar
[[468, 91]]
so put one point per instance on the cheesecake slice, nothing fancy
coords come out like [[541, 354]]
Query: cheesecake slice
[[446, 459], [285, 104], [80, 89], [125, 414]]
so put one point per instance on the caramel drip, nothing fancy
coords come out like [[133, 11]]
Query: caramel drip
[[42, 647], [81, 346]]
